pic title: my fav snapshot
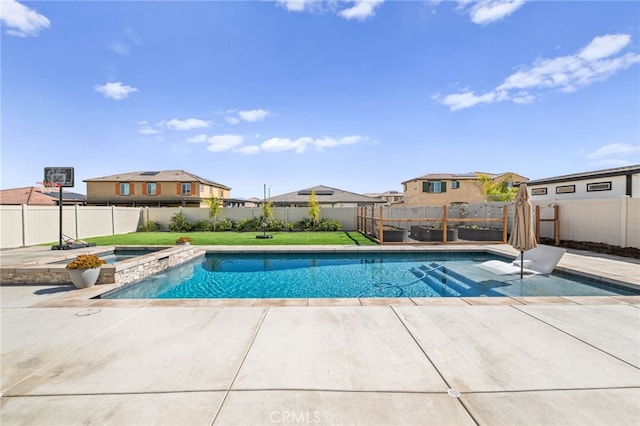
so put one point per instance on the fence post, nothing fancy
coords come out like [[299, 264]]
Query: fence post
[[624, 206], [113, 220], [556, 224], [24, 225], [444, 223], [381, 227], [538, 224], [505, 223]]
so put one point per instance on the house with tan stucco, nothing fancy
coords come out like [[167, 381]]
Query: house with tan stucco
[[166, 188], [438, 189]]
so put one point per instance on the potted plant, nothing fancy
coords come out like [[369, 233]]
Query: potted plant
[[184, 240], [85, 269]]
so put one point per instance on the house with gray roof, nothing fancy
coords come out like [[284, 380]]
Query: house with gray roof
[[326, 197]]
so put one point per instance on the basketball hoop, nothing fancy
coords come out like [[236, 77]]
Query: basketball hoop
[[45, 187]]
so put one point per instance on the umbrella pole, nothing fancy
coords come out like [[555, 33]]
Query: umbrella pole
[[521, 264]]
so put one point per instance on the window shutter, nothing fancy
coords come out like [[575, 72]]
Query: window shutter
[[193, 188], [117, 188], [425, 186], [158, 188], [130, 188], [179, 189], [144, 188], [443, 186]]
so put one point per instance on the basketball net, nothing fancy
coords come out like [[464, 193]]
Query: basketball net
[[45, 187]]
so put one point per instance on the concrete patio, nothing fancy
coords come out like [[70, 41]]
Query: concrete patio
[[67, 359]]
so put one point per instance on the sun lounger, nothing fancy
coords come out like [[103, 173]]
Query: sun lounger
[[540, 260]]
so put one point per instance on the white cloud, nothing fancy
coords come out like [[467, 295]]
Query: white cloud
[[220, 143], [614, 150], [358, 10], [146, 130], [488, 11], [248, 150], [115, 91], [328, 142], [254, 115], [595, 62], [285, 144], [232, 120], [201, 138], [361, 10], [605, 46], [300, 145], [188, 124], [20, 20]]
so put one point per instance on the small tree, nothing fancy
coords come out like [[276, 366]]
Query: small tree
[[267, 211], [215, 207], [314, 209], [498, 190]]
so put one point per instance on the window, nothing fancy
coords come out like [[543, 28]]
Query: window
[[600, 186], [434, 186], [565, 189], [538, 191], [201, 188], [455, 184], [124, 189], [152, 189], [185, 189]]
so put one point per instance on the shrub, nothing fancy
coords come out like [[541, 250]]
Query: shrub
[[328, 225], [183, 240], [179, 223], [275, 225], [202, 226], [149, 226], [305, 224], [246, 224], [224, 225]]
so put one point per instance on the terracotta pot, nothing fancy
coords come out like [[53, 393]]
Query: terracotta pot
[[83, 278]]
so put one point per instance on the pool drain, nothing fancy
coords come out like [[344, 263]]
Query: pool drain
[[88, 312], [454, 393]]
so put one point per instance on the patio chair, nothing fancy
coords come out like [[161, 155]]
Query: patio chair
[[539, 260]]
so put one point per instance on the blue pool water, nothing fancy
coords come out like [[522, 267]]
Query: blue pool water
[[332, 275], [118, 255]]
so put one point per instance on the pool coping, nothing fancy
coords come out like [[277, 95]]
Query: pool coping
[[593, 270]]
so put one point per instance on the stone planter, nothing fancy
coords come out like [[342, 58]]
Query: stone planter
[[480, 234], [395, 235], [83, 278], [424, 233]]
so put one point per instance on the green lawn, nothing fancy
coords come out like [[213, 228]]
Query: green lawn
[[236, 238]]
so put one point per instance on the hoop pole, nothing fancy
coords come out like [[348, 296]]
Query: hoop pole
[[60, 224]]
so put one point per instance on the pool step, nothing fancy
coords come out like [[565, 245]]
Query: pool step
[[433, 280], [465, 286]]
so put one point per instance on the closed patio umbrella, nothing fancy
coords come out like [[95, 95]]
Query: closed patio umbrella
[[522, 236]]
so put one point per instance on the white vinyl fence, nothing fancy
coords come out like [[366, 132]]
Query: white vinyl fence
[[614, 221], [30, 225]]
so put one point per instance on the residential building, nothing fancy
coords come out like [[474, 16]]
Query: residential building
[[606, 183], [166, 188], [438, 189], [389, 197], [326, 197], [39, 196]]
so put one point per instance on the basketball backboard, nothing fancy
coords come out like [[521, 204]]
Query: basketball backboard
[[63, 176]]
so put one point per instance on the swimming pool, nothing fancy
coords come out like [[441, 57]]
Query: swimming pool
[[345, 275]]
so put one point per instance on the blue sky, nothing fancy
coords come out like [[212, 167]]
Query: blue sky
[[358, 95]]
